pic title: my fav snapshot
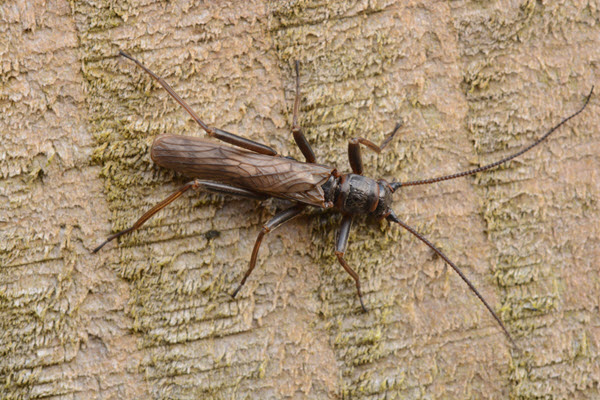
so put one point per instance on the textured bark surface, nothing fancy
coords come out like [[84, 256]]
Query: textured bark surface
[[151, 316]]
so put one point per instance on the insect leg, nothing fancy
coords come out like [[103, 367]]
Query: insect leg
[[195, 184], [340, 249], [299, 137], [354, 149], [225, 136], [274, 223], [222, 188]]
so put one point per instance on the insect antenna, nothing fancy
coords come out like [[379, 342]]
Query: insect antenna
[[393, 218], [396, 185]]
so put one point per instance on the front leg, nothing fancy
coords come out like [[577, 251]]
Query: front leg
[[354, 155], [340, 249]]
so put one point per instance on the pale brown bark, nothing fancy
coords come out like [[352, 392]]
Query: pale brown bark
[[151, 316]]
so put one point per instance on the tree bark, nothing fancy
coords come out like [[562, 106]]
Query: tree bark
[[151, 316]]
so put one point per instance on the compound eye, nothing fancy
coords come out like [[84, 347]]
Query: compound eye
[[385, 200]]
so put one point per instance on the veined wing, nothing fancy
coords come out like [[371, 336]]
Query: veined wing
[[271, 175]]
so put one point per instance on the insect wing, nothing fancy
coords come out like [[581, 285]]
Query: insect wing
[[272, 175]]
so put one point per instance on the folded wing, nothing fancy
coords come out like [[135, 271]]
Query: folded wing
[[272, 175]]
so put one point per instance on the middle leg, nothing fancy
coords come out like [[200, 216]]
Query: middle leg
[[274, 223], [299, 137]]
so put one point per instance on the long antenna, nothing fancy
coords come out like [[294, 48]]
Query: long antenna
[[392, 217], [396, 185]]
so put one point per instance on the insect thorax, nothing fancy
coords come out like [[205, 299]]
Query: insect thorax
[[357, 194]]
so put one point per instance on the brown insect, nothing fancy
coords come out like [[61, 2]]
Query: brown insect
[[256, 171]]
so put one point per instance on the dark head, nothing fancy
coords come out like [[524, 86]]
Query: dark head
[[357, 194]]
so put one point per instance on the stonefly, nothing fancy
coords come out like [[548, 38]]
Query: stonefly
[[254, 170]]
